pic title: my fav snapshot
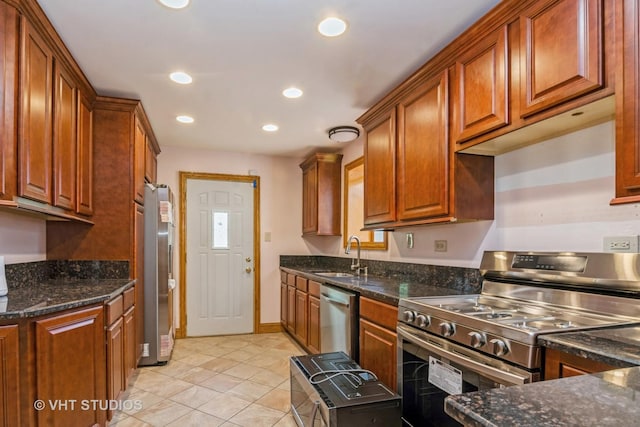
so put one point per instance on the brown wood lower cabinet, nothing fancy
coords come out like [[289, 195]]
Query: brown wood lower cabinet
[[378, 340], [9, 376], [558, 364], [71, 366], [300, 310], [313, 337]]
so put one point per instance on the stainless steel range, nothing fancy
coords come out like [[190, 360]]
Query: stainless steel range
[[455, 344]]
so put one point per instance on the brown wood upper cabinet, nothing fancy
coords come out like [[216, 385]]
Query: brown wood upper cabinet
[[54, 159], [139, 153], [481, 87], [321, 194], [412, 177], [380, 169], [628, 103], [9, 59], [84, 199], [562, 53], [64, 139], [35, 144], [423, 151]]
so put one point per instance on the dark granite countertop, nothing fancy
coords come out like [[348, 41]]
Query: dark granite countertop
[[384, 289], [609, 398], [619, 347], [51, 296]]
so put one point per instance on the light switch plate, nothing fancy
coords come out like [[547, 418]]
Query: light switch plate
[[627, 244], [440, 246]]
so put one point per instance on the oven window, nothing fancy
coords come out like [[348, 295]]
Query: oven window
[[422, 402]]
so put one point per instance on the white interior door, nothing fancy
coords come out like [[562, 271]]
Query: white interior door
[[219, 222]]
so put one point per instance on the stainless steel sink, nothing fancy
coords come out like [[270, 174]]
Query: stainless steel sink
[[333, 274]]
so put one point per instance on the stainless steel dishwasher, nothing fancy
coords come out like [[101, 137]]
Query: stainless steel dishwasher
[[338, 321]]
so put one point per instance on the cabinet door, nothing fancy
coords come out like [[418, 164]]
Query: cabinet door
[[139, 150], [9, 376], [310, 198], [8, 91], [301, 316], [628, 103], [150, 163], [283, 304], [378, 352], [313, 336], [35, 136], [291, 309], [380, 170], [138, 274], [561, 52], [481, 88], [84, 201], [558, 364], [129, 331], [423, 151], [64, 139], [115, 359], [71, 364]]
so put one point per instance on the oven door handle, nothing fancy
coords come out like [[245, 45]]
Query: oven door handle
[[511, 379]]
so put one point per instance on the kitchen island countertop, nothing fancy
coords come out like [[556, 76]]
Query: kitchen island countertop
[[55, 295], [599, 400], [602, 399]]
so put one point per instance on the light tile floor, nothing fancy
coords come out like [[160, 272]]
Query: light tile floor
[[239, 380]]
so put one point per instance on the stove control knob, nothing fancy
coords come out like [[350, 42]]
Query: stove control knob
[[423, 321], [500, 347], [447, 329], [477, 339], [409, 316]]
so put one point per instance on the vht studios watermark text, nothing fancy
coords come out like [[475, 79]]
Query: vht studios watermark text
[[87, 405]]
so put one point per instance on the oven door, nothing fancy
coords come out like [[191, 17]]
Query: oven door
[[425, 360]]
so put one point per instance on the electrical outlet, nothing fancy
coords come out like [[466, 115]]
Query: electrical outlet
[[621, 244], [440, 246]]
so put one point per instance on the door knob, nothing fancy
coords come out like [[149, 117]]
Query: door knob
[[248, 269]]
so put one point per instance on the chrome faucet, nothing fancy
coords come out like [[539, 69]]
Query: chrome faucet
[[355, 263]]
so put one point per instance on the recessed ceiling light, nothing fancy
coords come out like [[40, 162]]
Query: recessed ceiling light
[[181, 77], [185, 119], [332, 27], [292, 92], [270, 127], [175, 4]]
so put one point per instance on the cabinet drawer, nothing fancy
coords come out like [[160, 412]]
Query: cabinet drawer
[[291, 279], [378, 312], [314, 288], [114, 309], [129, 297], [302, 283]]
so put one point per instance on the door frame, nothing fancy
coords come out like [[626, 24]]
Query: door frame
[[181, 331]]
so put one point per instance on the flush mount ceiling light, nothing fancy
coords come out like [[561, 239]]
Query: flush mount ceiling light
[[174, 4], [181, 77], [332, 27], [292, 92], [185, 119], [343, 133], [270, 127]]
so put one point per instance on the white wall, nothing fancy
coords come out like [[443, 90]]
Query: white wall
[[22, 238]]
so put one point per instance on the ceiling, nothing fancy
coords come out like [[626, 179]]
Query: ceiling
[[243, 53]]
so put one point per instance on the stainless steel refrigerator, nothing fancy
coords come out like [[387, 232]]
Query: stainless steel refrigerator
[[159, 282]]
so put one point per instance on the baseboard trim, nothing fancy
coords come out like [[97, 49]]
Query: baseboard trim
[[269, 328]]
